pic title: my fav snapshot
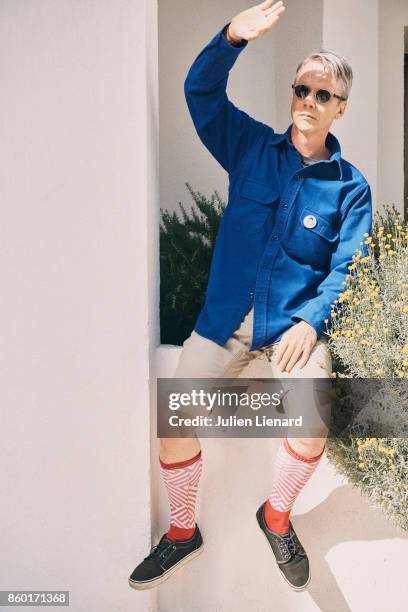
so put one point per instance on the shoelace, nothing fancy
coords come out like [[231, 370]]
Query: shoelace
[[288, 545], [159, 549]]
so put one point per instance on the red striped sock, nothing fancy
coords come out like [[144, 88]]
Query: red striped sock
[[290, 474], [181, 481]]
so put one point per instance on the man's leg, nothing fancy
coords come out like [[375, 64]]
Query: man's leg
[[291, 471], [181, 460], [296, 460], [181, 480]]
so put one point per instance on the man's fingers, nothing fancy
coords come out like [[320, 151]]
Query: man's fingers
[[305, 356], [282, 346], [286, 356], [267, 4], [275, 11], [294, 358]]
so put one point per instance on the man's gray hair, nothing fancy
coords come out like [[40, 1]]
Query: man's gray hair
[[337, 64]]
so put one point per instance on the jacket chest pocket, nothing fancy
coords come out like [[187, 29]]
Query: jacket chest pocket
[[314, 239], [254, 203]]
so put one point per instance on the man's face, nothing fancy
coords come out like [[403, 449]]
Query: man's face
[[308, 115]]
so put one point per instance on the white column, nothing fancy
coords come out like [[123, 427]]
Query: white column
[[393, 18], [351, 29], [79, 261]]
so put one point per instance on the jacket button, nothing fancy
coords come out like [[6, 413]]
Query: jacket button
[[276, 237], [251, 295], [285, 207], [310, 221]]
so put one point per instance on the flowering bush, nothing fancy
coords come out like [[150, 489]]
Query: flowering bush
[[368, 338]]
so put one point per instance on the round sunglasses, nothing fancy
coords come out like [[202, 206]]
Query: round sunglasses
[[321, 95]]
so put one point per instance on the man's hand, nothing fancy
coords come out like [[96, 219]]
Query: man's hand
[[297, 342], [255, 22]]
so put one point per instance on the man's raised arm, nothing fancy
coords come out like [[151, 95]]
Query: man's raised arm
[[224, 129]]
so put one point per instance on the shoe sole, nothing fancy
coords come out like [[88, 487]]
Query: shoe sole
[[276, 565], [141, 586]]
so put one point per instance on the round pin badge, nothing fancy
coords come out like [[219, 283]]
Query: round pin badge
[[310, 221]]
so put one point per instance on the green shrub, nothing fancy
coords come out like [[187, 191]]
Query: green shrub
[[186, 246]]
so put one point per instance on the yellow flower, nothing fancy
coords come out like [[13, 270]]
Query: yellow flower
[[377, 305], [361, 465], [379, 371], [405, 309]]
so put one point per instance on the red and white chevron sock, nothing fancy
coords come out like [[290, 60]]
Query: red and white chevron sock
[[181, 481], [291, 472]]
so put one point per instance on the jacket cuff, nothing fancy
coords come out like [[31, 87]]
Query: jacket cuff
[[239, 45], [312, 316]]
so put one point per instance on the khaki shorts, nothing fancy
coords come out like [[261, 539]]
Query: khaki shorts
[[204, 358]]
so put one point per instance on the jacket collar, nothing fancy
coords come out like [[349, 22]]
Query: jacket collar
[[331, 142]]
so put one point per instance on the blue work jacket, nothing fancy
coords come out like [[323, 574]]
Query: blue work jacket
[[289, 231]]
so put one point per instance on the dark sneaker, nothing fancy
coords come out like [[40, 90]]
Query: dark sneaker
[[164, 559], [290, 556]]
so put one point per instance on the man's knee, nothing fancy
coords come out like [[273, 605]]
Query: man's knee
[[178, 449], [309, 447]]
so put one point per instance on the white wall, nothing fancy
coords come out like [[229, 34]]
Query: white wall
[[78, 284], [393, 18], [371, 36], [259, 83], [351, 28]]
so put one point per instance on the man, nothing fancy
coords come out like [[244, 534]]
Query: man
[[296, 214]]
